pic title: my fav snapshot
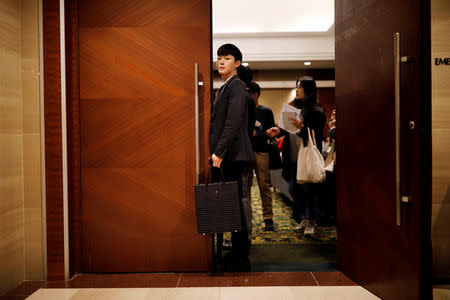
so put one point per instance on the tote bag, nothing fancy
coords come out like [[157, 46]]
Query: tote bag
[[310, 164], [218, 207], [329, 162]]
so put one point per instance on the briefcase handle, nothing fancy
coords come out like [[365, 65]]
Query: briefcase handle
[[209, 174]]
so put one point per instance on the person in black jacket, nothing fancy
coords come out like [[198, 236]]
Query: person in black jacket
[[313, 117], [246, 75], [261, 143], [229, 143], [327, 204]]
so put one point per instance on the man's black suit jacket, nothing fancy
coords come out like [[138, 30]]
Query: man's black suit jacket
[[228, 127]]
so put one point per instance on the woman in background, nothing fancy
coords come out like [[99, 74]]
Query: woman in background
[[312, 117]]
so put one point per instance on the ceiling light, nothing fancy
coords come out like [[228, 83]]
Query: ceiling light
[[307, 63], [245, 64]]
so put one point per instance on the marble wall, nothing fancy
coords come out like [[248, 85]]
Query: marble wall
[[275, 99], [20, 167], [31, 140], [440, 48]]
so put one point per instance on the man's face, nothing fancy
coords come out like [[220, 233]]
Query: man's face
[[226, 65]]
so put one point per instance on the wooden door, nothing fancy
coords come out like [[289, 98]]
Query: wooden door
[[389, 260], [137, 128]]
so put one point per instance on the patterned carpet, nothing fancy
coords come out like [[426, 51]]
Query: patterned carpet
[[284, 223]]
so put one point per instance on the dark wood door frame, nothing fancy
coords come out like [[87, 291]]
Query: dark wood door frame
[[427, 167], [73, 136], [53, 140], [53, 137]]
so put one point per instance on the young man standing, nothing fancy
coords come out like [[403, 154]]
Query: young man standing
[[229, 143], [261, 147]]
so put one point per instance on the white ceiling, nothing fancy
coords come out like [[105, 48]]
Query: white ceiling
[[279, 34], [251, 16]]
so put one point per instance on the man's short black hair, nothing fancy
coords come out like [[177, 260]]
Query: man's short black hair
[[230, 49], [254, 88]]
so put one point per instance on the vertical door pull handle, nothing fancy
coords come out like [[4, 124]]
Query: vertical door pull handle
[[397, 126], [397, 61], [197, 137]]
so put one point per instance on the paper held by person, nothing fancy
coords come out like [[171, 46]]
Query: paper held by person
[[288, 112]]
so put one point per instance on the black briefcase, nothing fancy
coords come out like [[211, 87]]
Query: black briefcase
[[218, 207]]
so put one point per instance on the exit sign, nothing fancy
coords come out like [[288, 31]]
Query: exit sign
[[442, 61]]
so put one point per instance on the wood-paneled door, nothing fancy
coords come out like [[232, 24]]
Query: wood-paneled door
[[390, 260], [137, 133]]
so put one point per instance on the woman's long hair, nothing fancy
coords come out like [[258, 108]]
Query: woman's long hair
[[309, 87]]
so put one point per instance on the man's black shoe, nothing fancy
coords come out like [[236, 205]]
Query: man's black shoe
[[269, 225]]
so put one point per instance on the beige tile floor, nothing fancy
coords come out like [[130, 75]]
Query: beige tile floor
[[219, 293]]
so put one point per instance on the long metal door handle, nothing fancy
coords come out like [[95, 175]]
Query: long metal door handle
[[197, 130], [397, 126], [397, 61]]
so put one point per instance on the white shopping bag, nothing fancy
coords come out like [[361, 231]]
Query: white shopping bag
[[310, 164]]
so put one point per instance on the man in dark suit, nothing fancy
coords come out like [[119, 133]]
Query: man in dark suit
[[229, 142]]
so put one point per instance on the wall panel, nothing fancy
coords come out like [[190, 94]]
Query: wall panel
[[440, 48]]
